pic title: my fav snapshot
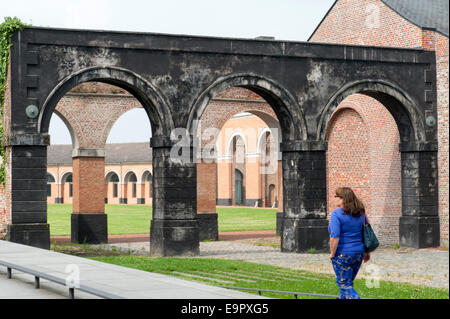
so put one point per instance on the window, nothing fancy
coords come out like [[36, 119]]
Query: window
[[50, 180], [115, 190], [70, 188], [134, 190]]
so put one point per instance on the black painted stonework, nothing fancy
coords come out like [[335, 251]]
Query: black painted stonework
[[419, 224], [304, 223], [279, 223], [174, 228], [174, 238], [36, 235], [89, 228], [175, 77], [419, 232], [208, 226]]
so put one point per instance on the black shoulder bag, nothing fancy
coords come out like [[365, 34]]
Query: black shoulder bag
[[370, 240]]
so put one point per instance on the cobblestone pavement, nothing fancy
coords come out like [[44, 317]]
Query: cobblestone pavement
[[425, 267]]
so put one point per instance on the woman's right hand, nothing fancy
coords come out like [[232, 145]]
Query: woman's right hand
[[366, 257]]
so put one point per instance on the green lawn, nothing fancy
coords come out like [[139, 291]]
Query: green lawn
[[135, 219], [251, 275], [235, 219]]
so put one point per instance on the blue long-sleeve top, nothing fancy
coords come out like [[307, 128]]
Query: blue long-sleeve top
[[349, 231]]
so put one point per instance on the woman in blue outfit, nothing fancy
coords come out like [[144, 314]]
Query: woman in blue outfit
[[346, 242]]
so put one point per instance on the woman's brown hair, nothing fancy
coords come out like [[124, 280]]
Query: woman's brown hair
[[351, 204]]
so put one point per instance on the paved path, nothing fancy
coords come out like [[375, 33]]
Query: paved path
[[426, 267], [22, 287], [131, 238], [117, 280]]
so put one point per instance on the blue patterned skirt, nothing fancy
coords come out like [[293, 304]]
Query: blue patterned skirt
[[346, 267]]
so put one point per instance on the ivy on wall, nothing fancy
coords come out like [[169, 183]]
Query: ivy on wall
[[7, 29]]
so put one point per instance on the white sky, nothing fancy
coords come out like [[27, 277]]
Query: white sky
[[293, 20]]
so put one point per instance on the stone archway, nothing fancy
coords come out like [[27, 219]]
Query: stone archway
[[178, 76], [418, 158]]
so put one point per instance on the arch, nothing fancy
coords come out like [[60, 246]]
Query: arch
[[109, 175], [262, 141], [146, 176], [128, 177], [229, 148], [114, 120], [65, 176], [73, 135], [282, 102], [355, 108], [50, 178], [146, 93], [270, 121], [407, 116]]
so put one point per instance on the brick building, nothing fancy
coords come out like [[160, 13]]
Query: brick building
[[128, 174], [363, 126]]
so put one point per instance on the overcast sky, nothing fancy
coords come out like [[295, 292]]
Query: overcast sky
[[293, 20]]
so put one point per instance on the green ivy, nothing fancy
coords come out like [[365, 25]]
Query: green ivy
[[7, 29]]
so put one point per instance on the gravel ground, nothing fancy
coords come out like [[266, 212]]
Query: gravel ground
[[425, 267]]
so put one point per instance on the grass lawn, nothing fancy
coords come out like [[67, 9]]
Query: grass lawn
[[135, 219], [251, 275]]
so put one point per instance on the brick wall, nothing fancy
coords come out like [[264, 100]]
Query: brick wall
[[5, 190], [91, 116], [370, 22]]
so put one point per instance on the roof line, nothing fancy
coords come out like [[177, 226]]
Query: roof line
[[402, 16], [324, 17], [412, 22]]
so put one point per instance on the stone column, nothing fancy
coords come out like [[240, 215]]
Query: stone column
[[174, 229], [304, 224], [206, 200], [88, 220], [26, 190], [419, 223]]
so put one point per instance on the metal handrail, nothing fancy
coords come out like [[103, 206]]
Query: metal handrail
[[296, 294], [37, 275]]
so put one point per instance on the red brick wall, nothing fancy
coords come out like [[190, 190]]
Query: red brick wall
[[3, 221], [370, 22], [5, 197], [367, 22], [363, 154], [206, 187], [88, 185], [92, 116], [441, 47], [5, 191]]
